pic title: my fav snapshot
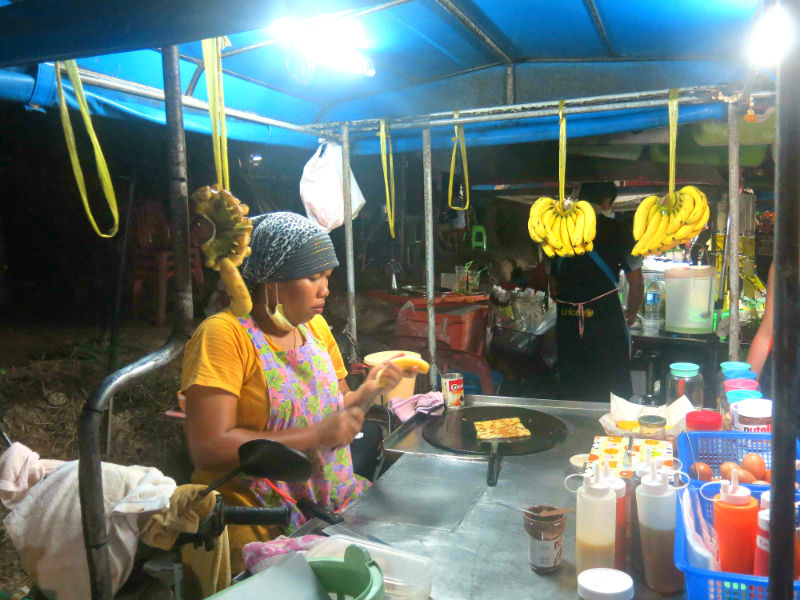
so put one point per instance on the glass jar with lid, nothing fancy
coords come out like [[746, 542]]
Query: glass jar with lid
[[684, 379], [653, 427], [725, 369]]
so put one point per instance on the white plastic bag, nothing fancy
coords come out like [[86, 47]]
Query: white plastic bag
[[321, 188]]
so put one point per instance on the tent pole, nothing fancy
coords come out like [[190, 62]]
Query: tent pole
[[429, 274], [352, 334], [787, 320], [733, 230], [510, 84]]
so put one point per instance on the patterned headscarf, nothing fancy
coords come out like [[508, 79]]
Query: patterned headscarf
[[286, 246]]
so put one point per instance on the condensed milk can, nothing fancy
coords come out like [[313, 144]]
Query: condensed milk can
[[453, 389]]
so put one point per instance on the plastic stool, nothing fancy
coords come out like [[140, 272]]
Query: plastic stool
[[478, 237]]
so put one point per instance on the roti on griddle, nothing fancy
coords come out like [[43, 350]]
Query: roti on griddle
[[510, 427]]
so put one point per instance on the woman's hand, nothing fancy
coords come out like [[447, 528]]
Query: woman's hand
[[340, 428], [385, 376]]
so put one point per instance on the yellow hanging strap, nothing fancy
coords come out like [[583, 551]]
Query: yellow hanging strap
[[673, 137], [562, 151], [69, 134], [212, 61], [388, 174], [458, 140]]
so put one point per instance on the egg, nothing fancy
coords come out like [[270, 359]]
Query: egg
[[755, 464], [745, 476], [701, 471], [768, 476], [726, 468]]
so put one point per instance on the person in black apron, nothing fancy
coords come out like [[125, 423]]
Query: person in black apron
[[593, 342]]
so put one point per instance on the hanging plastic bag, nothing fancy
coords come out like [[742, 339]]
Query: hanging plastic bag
[[321, 188]]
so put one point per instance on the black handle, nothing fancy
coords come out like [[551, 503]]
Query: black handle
[[312, 509], [256, 515], [493, 470]]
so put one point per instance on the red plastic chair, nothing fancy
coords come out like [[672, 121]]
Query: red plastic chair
[[152, 257]]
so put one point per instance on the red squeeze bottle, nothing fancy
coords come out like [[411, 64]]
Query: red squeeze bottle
[[761, 558], [736, 525]]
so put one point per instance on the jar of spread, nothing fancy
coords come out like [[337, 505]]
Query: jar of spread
[[546, 533], [753, 415]]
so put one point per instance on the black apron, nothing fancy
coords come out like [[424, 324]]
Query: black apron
[[593, 344]]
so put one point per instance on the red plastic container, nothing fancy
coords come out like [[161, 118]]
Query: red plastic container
[[462, 328]]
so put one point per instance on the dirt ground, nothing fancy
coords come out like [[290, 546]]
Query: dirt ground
[[46, 375]]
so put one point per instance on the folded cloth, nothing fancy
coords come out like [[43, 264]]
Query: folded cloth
[[45, 526], [20, 469], [431, 403], [259, 556]]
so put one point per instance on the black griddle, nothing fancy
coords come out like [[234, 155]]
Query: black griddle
[[455, 431]]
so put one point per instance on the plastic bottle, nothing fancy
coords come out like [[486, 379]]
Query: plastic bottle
[[684, 379], [653, 307], [636, 479], [761, 552], [736, 525], [594, 531], [655, 502], [618, 485]]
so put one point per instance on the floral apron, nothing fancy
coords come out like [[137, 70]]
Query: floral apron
[[303, 389]]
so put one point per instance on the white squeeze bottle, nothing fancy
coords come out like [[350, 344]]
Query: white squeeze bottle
[[595, 525], [656, 507]]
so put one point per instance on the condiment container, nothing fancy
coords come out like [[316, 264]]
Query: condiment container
[[594, 531], [655, 502], [684, 379], [761, 552], [703, 420], [604, 584], [731, 398], [636, 479], [405, 576], [620, 489], [652, 426], [725, 368], [753, 415], [546, 539], [736, 525], [740, 384]]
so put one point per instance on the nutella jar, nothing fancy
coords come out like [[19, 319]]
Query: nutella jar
[[546, 537], [753, 415]]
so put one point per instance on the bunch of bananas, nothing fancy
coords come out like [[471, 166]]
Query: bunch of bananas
[[562, 228], [660, 224]]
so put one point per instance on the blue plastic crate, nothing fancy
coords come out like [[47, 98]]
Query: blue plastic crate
[[717, 447], [702, 584]]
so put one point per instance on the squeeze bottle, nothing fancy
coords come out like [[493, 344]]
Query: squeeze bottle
[[594, 531], [736, 525], [617, 484], [761, 553], [656, 502], [636, 545]]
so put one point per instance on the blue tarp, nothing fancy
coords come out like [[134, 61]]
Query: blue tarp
[[425, 59]]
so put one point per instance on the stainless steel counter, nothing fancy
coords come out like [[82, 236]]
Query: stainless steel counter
[[437, 504]]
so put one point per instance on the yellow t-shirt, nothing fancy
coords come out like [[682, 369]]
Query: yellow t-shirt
[[220, 354]]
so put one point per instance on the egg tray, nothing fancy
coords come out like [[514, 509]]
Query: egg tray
[[717, 447]]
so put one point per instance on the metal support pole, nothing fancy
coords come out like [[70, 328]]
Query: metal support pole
[[787, 320], [429, 275], [510, 84], [352, 335], [90, 475], [733, 230]]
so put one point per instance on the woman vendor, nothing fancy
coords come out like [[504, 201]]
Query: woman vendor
[[277, 374]]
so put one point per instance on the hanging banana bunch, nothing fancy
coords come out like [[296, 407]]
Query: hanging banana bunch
[[661, 224], [562, 227], [228, 243]]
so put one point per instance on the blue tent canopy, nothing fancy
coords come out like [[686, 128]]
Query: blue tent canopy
[[429, 56]]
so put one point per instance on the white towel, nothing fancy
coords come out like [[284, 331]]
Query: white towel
[[46, 530], [20, 469]]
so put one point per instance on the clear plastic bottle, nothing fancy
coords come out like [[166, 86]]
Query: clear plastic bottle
[[684, 379], [636, 479], [653, 307], [655, 501], [620, 488], [594, 531]]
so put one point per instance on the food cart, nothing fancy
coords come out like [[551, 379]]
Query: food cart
[[505, 110]]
